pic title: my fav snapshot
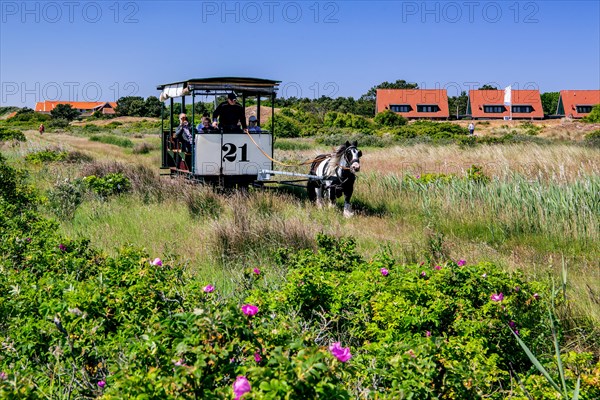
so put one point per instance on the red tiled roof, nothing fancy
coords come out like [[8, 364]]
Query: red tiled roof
[[47, 106], [480, 98], [573, 98], [414, 98]]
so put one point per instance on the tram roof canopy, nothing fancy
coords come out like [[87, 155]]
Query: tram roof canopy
[[240, 85]]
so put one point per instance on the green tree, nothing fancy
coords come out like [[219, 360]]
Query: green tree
[[132, 106], [458, 102], [399, 84], [488, 87], [153, 107], [550, 102], [594, 116], [64, 111]]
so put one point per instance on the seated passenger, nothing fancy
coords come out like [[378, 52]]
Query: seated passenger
[[185, 133], [252, 124], [205, 126]]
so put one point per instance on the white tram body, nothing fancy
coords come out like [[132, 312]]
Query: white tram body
[[232, 154]]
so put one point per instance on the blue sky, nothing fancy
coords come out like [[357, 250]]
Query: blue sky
[[101, 50]]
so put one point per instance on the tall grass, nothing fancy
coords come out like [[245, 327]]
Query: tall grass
[[112, 139], [562, 212]]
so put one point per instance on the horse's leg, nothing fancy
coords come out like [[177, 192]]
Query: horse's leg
[[319, 195], [311, 190], [330, 196], [348, 190]]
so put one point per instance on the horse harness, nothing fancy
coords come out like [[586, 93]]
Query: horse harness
[[338, 186]]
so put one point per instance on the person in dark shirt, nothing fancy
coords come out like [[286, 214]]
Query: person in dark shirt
[[229, 114], [205, 126]]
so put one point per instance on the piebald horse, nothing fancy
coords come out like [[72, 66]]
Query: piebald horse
[[339, 171]]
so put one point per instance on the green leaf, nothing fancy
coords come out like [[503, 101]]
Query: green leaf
[[535, 362], [557, 350], [576, 392]]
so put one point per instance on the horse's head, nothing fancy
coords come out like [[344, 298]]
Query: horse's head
[[352, 156]]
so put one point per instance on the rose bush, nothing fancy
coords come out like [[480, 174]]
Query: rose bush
[[76, 323]]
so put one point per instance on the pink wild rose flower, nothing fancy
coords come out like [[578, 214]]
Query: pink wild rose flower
[[384, 271], [157, 261], [460, 263], [249, 309], [101, 384], [341, 353], [241, 386], [497, 297], [256, 271], [209, 289]]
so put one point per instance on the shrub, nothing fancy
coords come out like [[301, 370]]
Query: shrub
[[142, 148], [28, 115], [59, 123], [285, 127], [593, 116], [592, 138], [77, 324], [88, 128], [108, 185], [65, 198], [112, 139], [113, 125], [12, 187], [47, 155], [346, 120], [11, 134], [475, 173], [390, 119], [530, 128]]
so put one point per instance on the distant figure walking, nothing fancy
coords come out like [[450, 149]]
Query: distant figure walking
[[471, 128], [42, 129]]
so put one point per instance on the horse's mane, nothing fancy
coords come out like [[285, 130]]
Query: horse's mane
[[335, 160]]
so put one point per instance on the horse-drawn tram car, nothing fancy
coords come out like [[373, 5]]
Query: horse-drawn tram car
[[232, 153], [227, 154]]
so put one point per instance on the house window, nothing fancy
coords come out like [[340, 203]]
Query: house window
[[584, 109], [494, 109], [427, 108], [522, 109], [400, 108]]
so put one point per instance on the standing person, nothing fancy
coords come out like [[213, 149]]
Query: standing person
[[42, 129], [229, 114], [185, 133], [471, 128]]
